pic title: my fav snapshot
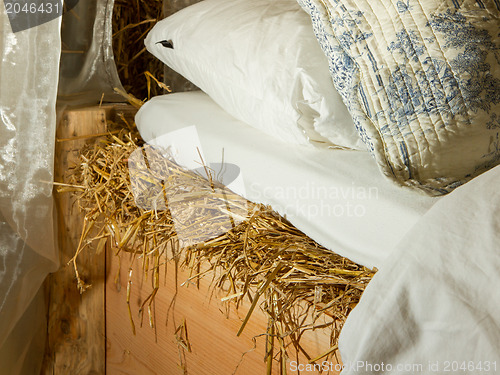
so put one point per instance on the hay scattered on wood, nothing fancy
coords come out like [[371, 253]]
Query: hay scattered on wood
[[154, 209], [132, 20]]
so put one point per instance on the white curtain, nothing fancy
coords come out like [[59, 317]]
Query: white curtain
[[29, 71], [88, 71], [36, 74]]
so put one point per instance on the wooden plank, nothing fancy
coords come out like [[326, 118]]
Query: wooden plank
[[91, 333], [216, 349], [76, 322]]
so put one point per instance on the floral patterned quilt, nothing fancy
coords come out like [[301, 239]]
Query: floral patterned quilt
[[421, 79]]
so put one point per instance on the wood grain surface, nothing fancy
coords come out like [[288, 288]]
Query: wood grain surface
[[76, 322], [211, 329], [194, 333]]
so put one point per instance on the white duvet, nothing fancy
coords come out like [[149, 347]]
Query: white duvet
[[434, 306]]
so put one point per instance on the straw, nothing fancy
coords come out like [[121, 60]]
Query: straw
[[132, 20], [158, 211]]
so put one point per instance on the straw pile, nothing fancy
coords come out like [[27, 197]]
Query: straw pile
[[155, 210], [132, 20], [136, 197]]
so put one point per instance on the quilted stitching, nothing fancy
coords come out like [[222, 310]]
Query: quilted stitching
[[421, 79]]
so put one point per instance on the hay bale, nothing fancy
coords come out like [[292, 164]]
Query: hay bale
[[132, 20], [249, 249]]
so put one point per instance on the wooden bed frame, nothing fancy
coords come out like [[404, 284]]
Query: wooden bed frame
[[91, 333]]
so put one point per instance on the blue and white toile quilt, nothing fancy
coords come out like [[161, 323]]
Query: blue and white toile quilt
[[421, 79]]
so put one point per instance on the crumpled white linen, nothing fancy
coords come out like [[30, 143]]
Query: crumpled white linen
[[434, 305], [29, 70]]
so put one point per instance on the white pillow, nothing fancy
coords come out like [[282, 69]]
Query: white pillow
[[261, 62]]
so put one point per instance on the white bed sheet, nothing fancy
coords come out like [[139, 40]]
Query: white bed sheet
[[337, 197], [434, 306]]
